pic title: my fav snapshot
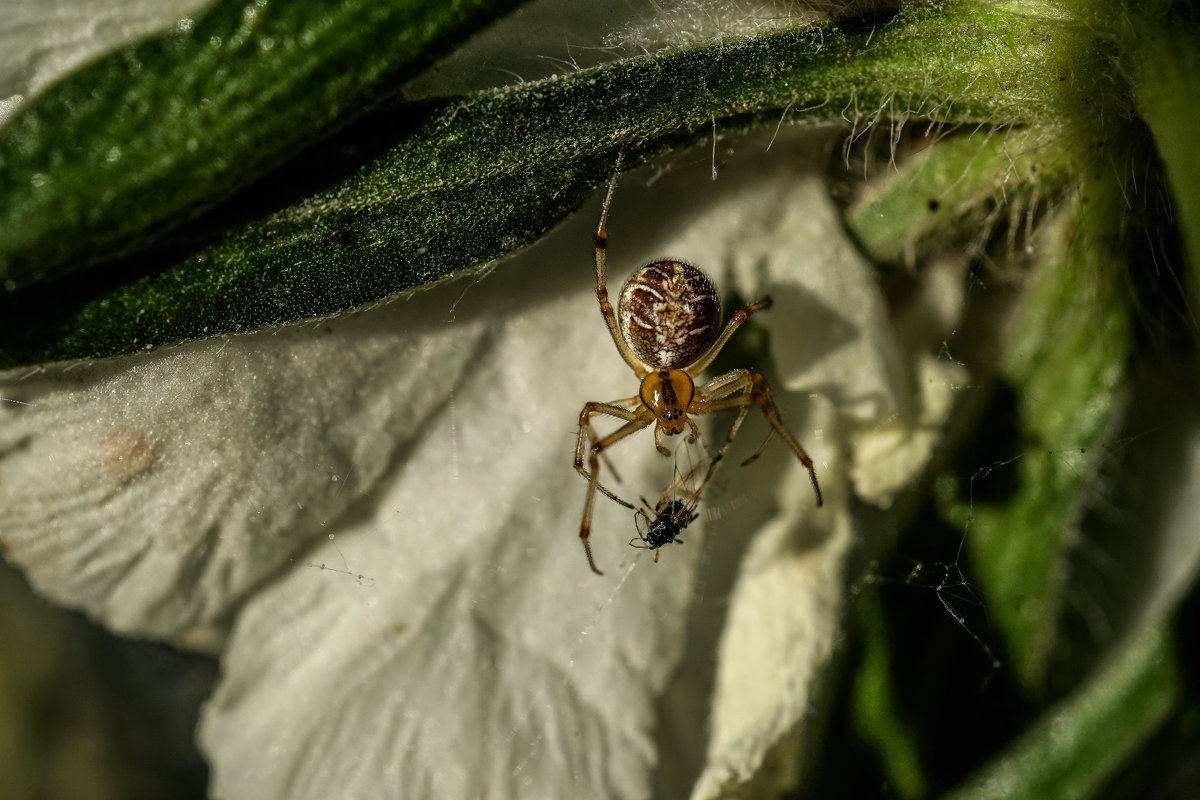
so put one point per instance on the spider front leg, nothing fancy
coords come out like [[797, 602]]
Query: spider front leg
[[588, 433], [604, 459], [606, 310], [723, 392], [635, 421]]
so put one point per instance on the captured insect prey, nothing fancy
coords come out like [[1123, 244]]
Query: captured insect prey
[[669, 519], [675, 510], [667, 328]]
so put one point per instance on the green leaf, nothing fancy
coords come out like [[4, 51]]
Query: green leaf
[[1064, 365], [878, 717], [149, 136], [957, 186], [481, 176]]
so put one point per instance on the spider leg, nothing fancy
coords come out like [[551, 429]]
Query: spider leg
[[723, 392], [658, 441], [637, 421], [720, 454], [717, 389], [606, 461], [629, 403], [736, 321], [587, 433], [606, 309], [761, 448], [681, 483]]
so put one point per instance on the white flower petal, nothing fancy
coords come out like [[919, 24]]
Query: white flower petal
[[778, 639], [478, 655], [888, 455], [153, 491]]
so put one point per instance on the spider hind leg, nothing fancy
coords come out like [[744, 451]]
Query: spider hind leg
[[742, 389]]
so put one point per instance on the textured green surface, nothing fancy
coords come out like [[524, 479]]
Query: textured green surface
[[955, 186], [475, 178], [146, 137], [1065, 362]]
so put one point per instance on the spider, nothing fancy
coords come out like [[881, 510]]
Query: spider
[[666, 328]]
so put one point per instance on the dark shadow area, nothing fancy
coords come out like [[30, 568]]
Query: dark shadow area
[[99, 716], [956, 709]]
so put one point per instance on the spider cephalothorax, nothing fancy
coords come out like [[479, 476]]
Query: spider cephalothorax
[[666, 329]]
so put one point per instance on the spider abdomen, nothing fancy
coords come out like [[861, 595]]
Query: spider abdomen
[[669, 313]]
